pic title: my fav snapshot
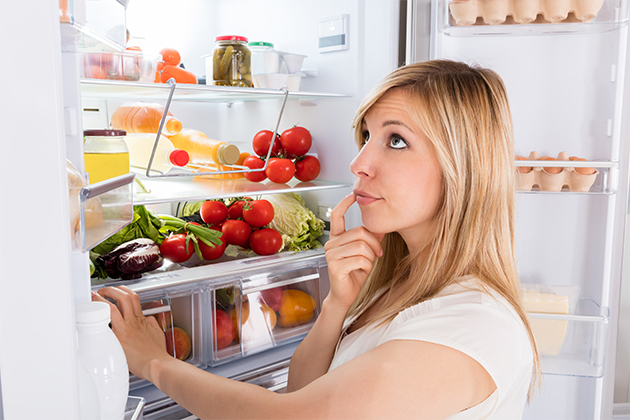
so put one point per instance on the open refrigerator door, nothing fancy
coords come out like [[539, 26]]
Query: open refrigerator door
[[564, 66]]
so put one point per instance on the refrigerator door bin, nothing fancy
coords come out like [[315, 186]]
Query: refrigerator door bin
[[275, 308], [102, 23], [572, 344], [103, 209], [133, 66], [522, 17]]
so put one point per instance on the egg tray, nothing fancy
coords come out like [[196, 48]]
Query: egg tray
[[496, 12], [546, 181]]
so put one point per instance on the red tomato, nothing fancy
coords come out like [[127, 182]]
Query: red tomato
[[258, 213], [173, 248], [265, 241], [261, 143], [235, 211], [236, 232], [213, 212], [296, 141], [210, 253], [224, 329], [280, 170], [307, 169], [254, 162]]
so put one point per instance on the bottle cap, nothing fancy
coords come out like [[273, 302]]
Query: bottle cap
[[172, 126], [228, 154], [231, 38], [261, 44], [92, 312], [179, 157], [102, 133]]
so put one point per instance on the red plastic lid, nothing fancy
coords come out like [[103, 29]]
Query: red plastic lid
[[113, 133], [231, 38], [179, 157]]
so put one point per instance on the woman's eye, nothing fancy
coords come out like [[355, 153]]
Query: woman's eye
[[366, 136], [397, 143]]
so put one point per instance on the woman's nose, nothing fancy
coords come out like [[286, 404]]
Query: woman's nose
[[364, 163]]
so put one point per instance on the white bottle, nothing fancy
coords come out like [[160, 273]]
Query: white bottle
[[89, 405], [166, 156], [103, 356]]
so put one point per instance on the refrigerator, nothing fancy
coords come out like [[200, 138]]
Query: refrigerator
[[566, 87]]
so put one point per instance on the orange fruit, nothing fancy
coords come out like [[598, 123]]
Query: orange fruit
[[296, 308]]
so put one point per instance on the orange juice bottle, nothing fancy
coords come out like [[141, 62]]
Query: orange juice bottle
[[142, 117], [203, 150], [216, 168]]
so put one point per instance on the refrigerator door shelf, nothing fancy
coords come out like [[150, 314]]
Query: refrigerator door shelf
[[572, 344], [529, 17], [273, 308], [99, 210]]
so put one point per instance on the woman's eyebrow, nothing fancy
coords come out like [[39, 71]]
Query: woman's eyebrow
[[396, 122]]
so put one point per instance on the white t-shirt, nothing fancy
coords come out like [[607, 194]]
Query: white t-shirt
[[481, 325]]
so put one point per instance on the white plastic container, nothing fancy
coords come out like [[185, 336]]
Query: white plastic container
[[166, 156], [103, 357], [264, 58], [89, 405]]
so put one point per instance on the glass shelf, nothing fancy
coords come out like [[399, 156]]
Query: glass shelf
[[199, 188], [115, 89]]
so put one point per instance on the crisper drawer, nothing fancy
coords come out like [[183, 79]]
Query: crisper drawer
[[263, 310], [178, 312]]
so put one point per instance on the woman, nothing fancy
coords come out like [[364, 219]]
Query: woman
[[424, 317]]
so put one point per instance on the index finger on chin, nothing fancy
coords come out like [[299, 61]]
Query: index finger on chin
[[337, 219]]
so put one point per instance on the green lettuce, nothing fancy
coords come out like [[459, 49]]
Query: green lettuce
[[298, 225]]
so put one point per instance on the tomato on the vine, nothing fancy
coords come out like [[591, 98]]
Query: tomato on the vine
[[210, 253], [280, 170], [213, 212], [265, 241], [261, 143], [258, 213], [296, 141], [307, 168], [235, 210], [174, 249], [254, 162], [236, 232]]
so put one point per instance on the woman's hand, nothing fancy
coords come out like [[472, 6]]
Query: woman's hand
[[350, 256], [141, 337]]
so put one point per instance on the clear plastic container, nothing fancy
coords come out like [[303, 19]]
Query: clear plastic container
[[106, 154], [129, 66], [265, 59], [166, 156], [103, 357], [231, 62]]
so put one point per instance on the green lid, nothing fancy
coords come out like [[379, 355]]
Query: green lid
[[261, 44]]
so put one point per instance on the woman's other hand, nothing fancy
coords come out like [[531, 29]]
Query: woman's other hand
[[350, 256], [141, 337]]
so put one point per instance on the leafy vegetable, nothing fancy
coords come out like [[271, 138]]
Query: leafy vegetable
[[298, 225], [144, 225], [129, 260]]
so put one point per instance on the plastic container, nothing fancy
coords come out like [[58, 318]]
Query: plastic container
[[264, 58], [142, 117], [166, 156], [105, 153], [103, 357], [128, 66], [270, 81], [203, 150], [89, 405], [293, 61], [230, 62]]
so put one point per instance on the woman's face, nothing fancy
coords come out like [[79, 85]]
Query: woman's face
[[398, 179]]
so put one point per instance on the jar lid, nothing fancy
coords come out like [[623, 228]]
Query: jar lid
[[261, 44], [231, 38], [92, 312], [104, 133]]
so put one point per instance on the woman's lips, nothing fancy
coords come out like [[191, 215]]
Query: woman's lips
[[364, 199]]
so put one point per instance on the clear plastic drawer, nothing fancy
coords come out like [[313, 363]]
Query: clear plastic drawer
[[265, 310]]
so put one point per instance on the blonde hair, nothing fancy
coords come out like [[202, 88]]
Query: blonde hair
[[464, 112]]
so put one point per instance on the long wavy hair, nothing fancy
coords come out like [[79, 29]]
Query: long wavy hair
[[465, 113]]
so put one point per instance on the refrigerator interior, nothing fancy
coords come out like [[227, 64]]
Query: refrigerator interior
[[565, 83], [328, 96]]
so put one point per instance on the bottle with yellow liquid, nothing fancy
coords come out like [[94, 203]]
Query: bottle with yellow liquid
[[105, 154], [203, 150]]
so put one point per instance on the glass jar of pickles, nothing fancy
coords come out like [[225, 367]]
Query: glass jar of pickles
[[231, 62]]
